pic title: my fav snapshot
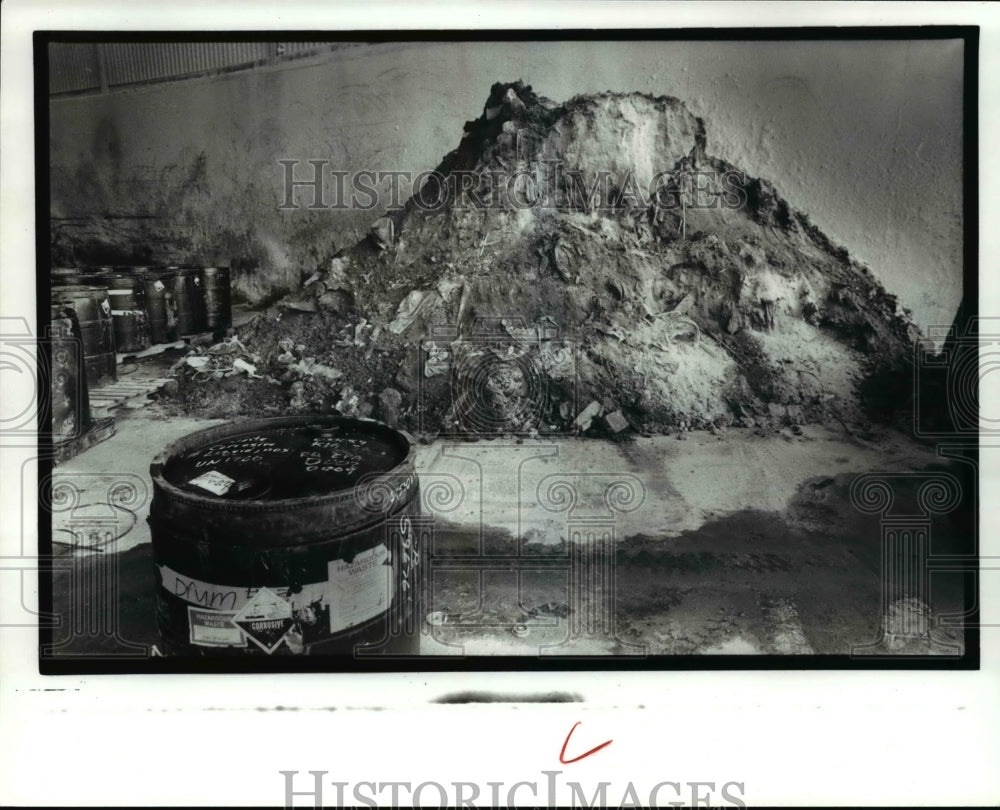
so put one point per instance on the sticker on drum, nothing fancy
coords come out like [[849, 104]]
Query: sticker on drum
[[215, 482]]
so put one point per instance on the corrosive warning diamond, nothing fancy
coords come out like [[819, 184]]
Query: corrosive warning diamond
[[265, 619]]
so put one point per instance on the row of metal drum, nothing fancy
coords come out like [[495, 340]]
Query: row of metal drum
[[129, 309], [98, 312]]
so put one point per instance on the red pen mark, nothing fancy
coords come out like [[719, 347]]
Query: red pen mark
[[562, 753]]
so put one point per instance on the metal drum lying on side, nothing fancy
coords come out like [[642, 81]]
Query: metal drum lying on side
[[218, 298], [93, 311], [285, 536]]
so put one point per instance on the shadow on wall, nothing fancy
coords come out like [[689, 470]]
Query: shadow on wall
[[104, 213]]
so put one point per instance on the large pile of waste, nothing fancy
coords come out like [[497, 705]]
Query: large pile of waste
[[574, 267]]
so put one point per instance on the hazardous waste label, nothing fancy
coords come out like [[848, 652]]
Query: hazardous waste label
[[265, 619], [359, 590], [234, 616], [214, 628]]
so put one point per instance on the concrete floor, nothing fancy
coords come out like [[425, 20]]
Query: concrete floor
[[711, 545]]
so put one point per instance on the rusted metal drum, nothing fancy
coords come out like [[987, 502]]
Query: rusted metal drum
[[218, 298], [127, 294], [297, 535], [159, 298], [69, 399], [189, 300], [93, 312]]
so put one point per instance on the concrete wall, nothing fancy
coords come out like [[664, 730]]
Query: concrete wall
[[865, 137]]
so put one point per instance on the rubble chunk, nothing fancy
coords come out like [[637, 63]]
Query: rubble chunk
[[390, 401], [684, 307], [438, 359], [616, 421], [587, 416], [382, 233], [334, 301]]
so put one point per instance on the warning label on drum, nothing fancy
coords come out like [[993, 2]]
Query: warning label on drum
[[265, 619], [214, 628], [215, 482], [359, 590]]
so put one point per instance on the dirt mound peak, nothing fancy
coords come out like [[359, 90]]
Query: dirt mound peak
[[563, 255]]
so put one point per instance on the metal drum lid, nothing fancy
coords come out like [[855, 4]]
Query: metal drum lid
[[85, 296], [276, 463]]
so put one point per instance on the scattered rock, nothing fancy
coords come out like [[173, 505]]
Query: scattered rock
[[437, 361], [513, 101], [248, 368], [616, 421], [335, 301], [297, 401], [308, 367], [587, 416], [349, 403], [685, 305], [390, 401], [418, 303], [382, 233]]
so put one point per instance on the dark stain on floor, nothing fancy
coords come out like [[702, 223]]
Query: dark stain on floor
[[672, 596]]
